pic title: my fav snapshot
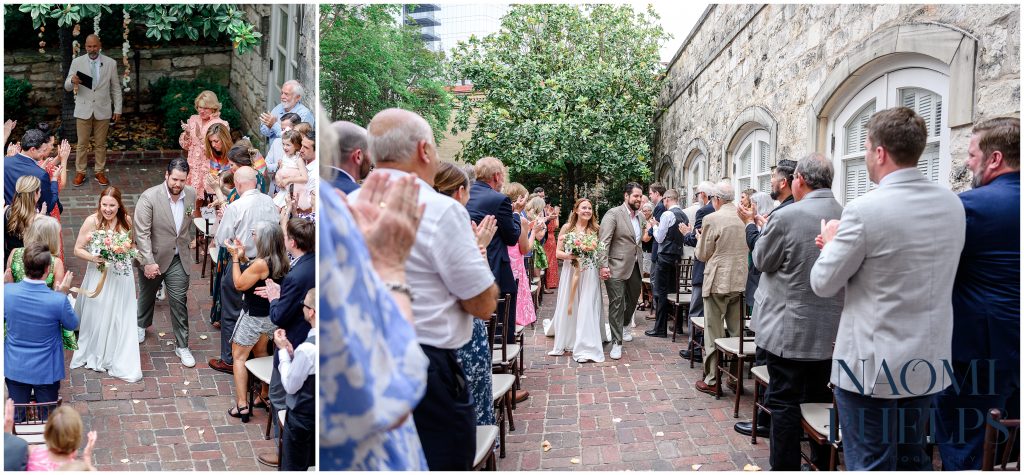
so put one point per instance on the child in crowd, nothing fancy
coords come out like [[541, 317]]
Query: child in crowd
[[292, 170], [63, 435], [298, 376]]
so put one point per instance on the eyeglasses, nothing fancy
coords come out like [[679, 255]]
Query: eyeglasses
[[307, 306]]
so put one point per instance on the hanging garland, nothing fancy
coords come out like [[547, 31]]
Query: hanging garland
[[96, 24], [42, 44], [125, 50], [76, 47]]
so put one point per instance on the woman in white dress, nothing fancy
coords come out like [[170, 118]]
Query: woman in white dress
[[107, 339], [579, 321]]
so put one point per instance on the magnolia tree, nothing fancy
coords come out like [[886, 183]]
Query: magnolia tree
[[370, 61], [568, 94]]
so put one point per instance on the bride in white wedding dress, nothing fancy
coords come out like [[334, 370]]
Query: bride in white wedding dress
[[579, 321]]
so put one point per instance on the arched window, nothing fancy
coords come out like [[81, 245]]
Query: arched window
[[921, 87], [752, 163], [696, 173]]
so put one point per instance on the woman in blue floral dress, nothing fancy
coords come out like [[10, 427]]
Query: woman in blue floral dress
[[373, 373]]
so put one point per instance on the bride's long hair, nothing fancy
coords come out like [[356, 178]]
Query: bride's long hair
[[592, 225]]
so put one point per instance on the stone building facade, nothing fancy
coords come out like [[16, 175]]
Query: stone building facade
[[288, 51], [753, 84]]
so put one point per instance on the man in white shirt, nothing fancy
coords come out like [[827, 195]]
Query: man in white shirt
[[298, 376], [670, 238], [449, 281]]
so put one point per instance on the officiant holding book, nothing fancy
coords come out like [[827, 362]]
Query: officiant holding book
[[94, 80]]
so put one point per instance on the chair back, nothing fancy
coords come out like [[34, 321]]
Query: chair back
[[684, 274], [497, 325], [1002, 443], [30, 419], [744, 320]]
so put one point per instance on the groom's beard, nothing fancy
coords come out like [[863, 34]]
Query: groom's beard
[[174, 190]]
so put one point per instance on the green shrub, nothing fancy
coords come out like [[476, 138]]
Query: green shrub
[[177, 103], [16, 101]]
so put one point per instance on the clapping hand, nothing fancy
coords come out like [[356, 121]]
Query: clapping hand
[[9, 126], [485, 230], [13, 149], [746, 213], [9, 414], [65, 284], [272, 291], [828, 233], [64, 151], [281, 340], [268, 119], [87, 453], [388, 214], [684, 228]]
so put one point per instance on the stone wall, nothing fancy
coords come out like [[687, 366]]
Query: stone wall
[[787, 64], [184, 62], [250, 72]]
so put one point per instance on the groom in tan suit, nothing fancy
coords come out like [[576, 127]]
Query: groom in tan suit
[[621, 230], [163, 231], [95, 105]]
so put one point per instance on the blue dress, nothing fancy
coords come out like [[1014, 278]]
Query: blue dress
[[475, 358], [373, 373]]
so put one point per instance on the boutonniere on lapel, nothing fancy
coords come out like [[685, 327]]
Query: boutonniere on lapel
[[189, 210]]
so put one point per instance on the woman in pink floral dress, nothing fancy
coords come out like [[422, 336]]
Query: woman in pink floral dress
[[525, 312], [193, 139]]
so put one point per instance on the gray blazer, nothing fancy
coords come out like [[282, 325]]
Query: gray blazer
[[896, 253], [104, 99], [791, 321], [155, 234], [621, 246]]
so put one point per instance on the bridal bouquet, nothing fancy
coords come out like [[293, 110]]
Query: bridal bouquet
[[115, 247], [585, 246]]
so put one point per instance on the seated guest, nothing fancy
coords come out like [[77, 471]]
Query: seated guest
[[358, 431], [798, 362], [15, 448], [63, 435], [450, 281], [298, 376], [34, 315]]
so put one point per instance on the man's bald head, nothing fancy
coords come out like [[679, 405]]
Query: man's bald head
[[352, 145], [394, 136], [245, 179], [93, 46]]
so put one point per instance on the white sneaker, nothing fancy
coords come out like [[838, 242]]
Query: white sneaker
[[185, 356], [616, 352], [627, 336], [142, 334], [160, 293]]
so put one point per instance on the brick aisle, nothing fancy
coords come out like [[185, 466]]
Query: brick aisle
[[638, 413], [176, 417]]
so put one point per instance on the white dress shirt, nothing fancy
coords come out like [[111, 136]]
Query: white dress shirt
[[241, 217], [295, 369], [177, 211], [634, 218], [444, 267], [668, 220]]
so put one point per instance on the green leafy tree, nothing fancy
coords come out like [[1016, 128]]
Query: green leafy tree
[[369, 61], [569, 94]]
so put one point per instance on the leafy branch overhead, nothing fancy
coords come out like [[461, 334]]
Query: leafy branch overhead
[[566, 90], [369, 61], [162, 22]]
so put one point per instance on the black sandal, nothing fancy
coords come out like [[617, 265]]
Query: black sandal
[[237, 413], [260, 403]]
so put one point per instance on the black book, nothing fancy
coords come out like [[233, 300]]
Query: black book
[[85, 78]]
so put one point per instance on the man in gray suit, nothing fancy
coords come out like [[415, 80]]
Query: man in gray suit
[[97, 100], [163, 231], [621, 229], [895, 251], [796, 328]]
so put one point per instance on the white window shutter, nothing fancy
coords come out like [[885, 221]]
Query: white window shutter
[[745, 162], [856, 179], [857, 130], [928, 164], [927, 104], [762, 163], [764, 183]]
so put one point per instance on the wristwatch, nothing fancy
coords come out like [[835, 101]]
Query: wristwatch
[[399, 287]]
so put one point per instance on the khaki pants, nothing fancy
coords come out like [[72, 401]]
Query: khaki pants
[[723, 316], [92, 135]]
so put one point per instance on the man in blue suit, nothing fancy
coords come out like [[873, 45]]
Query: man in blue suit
[[355, 163], [986, 296], [486, 199], [36, 145], [34, 314], [286, 305]]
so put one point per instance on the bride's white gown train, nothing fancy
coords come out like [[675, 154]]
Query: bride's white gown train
[[584, 330]]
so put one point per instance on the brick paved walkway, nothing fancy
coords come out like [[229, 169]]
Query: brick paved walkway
[[176, 417], [638, 413]]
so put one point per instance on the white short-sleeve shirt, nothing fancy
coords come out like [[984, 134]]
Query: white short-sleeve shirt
[[444, 267]]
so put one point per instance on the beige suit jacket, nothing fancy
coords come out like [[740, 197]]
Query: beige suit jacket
[[104, 98], [155, 233], [622, 249], [723, 246]]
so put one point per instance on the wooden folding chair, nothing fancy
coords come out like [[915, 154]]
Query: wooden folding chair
[[30, 419], [679, 302], [761, 380], [820, 421], [484, 459], [502, 394], [1002, 449], [505, 356], [733, 353]]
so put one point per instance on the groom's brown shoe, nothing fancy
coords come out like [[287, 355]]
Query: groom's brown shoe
[[221, 366]]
